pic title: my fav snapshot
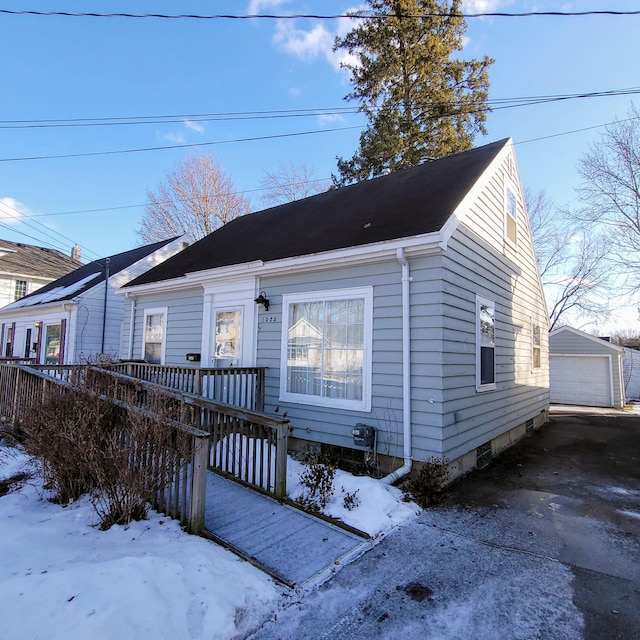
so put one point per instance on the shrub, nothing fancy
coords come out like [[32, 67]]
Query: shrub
[[350, 500], [85, 443], [428, 486], [317, 480]]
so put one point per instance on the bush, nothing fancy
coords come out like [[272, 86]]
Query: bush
[[317, 480], [86, 443], [63, 433], [427, 487]]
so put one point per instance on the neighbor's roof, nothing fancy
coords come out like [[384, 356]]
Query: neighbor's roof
[[87, 276], [21, 259], [401, 204]]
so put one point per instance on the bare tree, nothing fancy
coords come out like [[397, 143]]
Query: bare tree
[[611, 191], [196, 197], [573, 262], [291, 182]]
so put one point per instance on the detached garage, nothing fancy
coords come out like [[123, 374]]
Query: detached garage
[[585, 370]]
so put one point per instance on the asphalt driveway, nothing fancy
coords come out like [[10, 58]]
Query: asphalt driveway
[[543, 543]]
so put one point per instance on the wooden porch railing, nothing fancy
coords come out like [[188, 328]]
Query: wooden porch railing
[[182, 495], [247, 445], [239, 386], [17, 360]]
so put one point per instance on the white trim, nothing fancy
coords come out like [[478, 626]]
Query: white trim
[[366, 293], [462, 210], [425, 244], [481, 301], [533, 325], [151, 312]]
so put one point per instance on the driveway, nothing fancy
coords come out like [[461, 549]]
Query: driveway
[[543, 543]]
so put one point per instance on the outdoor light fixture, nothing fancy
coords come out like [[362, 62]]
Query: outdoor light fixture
[[263, 300]]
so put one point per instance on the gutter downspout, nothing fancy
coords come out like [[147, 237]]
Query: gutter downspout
[[104, 311], [406, 372]]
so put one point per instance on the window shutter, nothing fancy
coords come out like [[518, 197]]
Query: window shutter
[[2, 339]]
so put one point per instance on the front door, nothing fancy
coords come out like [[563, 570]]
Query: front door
[[227, 338]]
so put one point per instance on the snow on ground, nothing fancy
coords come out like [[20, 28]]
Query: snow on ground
[[60, 577], [380, 507]]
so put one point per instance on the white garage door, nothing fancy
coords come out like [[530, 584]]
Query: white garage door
[[584, 380]]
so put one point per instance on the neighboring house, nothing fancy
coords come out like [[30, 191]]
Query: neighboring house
[[411, 303], [631, 373], [585, 370], [25, 268], [77, 317]]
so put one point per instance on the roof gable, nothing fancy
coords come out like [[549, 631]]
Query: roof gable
[[585, 336], [405, 203], [87, 276]]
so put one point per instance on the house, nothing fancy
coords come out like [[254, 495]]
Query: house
[[78, 316], [410, 303], [24, 268], [585, 370]]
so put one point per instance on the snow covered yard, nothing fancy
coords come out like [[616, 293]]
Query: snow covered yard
[[60, 577]]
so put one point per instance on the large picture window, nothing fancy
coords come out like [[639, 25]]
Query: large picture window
[[153, 342], [327, 347], [485, 344]]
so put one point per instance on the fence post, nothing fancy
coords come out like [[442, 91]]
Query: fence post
[[282, 438], [199, 483], [14, 408]]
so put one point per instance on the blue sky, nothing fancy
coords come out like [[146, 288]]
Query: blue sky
[[70, 68]]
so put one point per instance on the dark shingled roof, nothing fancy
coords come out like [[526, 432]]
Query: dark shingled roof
[[405, 203], [117, 263], [38, 262]]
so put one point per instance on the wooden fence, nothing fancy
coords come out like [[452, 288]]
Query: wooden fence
[[239, 386], [248, 445], [183, 471]]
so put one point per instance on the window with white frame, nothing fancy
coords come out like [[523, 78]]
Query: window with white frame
[[327, 348], [485, 344], [536, 345], [511, 214], [20, 290], [153, 338]]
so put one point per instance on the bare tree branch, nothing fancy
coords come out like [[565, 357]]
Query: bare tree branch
[[291, 182], [196, 197]]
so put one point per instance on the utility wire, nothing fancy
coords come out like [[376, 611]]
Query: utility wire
[[524, 102], [495, 104], [516, 143], [177, 146], [355, 14], [24, 219]]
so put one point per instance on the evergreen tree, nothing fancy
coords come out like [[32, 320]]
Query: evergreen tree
[[420, 102]]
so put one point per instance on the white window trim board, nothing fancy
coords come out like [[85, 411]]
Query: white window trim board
[[366, 293]]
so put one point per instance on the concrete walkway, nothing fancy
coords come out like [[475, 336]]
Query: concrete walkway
[[294, 547]]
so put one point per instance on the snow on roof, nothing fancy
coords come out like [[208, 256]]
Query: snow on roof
[[57, 293]]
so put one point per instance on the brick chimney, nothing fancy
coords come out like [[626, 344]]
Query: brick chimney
[[76, 252]]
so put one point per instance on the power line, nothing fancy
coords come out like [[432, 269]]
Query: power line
[[295, 16], [495, 104], [517, 143], [177, 146], [22, 218]]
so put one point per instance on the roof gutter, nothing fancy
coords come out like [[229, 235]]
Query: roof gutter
[[406, 372]]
